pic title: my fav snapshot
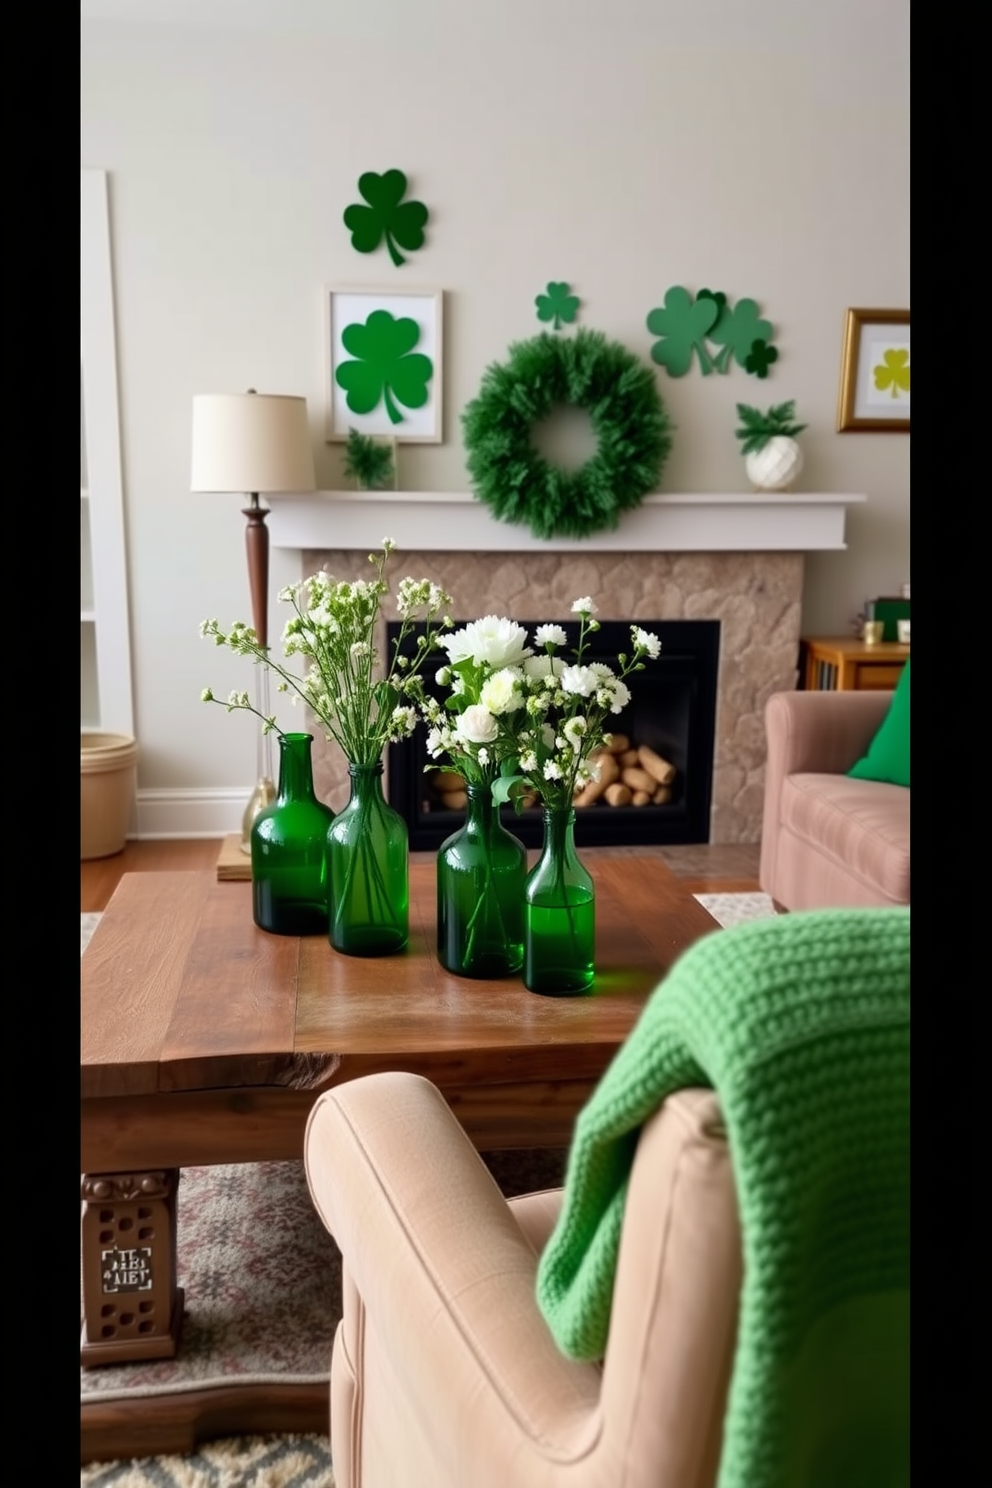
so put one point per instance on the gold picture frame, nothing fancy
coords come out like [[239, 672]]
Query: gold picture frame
[[874, 379]]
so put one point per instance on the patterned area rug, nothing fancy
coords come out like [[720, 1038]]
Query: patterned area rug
[[262, 1280], [230, 1462]]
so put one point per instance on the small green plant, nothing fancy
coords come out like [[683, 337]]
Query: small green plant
[[758, 428], [367, 462]]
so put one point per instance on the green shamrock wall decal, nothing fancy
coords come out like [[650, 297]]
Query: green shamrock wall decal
[[686, 325], [683, 324], [385, 365], [737, 329], [892, 372], [387, 216], [557, 305]]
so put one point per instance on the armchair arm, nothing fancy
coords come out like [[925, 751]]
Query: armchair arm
[[812, 732], [444, 1271]]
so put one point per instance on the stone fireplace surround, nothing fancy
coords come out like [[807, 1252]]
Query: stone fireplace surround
[[756, 596], [734, 558]]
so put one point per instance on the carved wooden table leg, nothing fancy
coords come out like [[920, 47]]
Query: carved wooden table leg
[[132, 1307]]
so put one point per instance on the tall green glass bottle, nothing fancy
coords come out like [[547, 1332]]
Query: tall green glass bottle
[[559, 913], [368, 870], [288, 871], [481, 872]]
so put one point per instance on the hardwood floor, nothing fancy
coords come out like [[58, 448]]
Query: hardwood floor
[[705, 869]]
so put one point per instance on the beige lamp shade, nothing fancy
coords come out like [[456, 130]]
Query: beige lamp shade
[[251, 442]]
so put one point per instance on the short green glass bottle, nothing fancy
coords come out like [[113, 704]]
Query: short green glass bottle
[[288, 838], [368, 870], [559, 913], [481, 873]]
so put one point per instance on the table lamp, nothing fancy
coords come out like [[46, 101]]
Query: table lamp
[[256, 444]]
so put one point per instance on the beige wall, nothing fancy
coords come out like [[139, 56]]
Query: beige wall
[[757, 146]]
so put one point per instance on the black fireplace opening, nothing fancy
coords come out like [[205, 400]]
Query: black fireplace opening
[[672, 711]]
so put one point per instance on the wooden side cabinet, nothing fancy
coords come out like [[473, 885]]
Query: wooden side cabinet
[[843, 664]]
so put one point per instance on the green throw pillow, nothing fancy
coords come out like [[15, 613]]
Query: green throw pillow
[[888, 753]]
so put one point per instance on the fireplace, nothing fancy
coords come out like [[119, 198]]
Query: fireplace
[[672, 711], [755, 597]]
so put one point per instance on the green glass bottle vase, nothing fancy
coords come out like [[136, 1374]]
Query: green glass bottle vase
[[481, 873], [288, 840], [559, 913], [368, 872]]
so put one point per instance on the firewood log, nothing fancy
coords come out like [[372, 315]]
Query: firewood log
[[661, 795], [447, 780], [640, 798], [660, 769], [629, 757], [638, 779], [618, 794], [454, 800], [619, 744], [609, 771]]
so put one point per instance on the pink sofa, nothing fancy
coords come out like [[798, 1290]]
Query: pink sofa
[[828, 840]]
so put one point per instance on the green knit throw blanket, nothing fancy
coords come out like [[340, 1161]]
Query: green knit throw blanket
[[800, 1024]]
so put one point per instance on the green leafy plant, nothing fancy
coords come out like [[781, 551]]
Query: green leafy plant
[[387, 216], [557, 305], [368, 462], [758, 428], [385, 366]]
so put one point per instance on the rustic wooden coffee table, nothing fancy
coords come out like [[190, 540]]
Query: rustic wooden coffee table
[[205, 1040]]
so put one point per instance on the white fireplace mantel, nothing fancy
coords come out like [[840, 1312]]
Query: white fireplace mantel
[[449, 521]]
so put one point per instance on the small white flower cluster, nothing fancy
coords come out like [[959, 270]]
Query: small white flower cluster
[[530, 719], [334, 627]]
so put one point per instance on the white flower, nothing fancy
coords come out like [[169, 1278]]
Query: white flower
[[574, 730], [206, 696], [404, 721], [621, 696], [528, 761], [443, 676], [483, 755], [360, 649], [552, 771], [501, 692], [476, 726], [550, 635], [543, 666], [584, 607], [647, 640], [488, 642], [579, 680]]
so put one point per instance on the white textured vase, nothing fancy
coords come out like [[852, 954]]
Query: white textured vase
[[775, 467]]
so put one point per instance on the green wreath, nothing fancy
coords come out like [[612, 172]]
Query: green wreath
[[629, 419]]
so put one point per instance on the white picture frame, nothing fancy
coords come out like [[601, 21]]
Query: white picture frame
[[347, 307]]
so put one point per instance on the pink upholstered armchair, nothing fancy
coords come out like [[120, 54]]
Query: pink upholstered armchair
[[827, 840]]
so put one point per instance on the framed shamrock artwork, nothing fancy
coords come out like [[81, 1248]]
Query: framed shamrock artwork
[[383, 363], [874, 379]]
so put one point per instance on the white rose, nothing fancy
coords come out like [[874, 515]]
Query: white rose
[[490, 641], [476, 726]]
